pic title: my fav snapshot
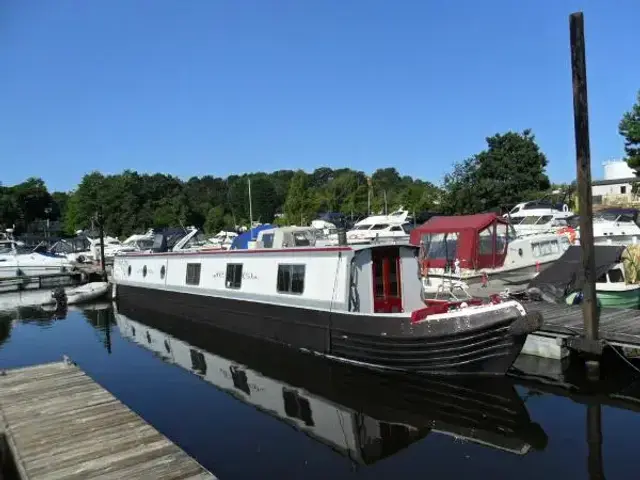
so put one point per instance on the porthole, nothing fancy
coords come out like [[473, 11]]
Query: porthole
[[520, 251], [129, 271], [144, 271], [166, 345], [148, 337], [162, 272], [133, 329]]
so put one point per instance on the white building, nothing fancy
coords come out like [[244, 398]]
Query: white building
[[617, 182]]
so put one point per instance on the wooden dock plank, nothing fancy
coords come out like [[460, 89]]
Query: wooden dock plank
[[60, 424], [617, 326]]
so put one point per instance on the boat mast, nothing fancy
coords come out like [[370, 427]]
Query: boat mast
[[250, 210]]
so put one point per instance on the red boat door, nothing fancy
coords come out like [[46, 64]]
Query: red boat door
[[387, 291]]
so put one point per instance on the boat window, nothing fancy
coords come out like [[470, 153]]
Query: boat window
[[301, 240], [485, 244], [378, 279], [394, 291], [193, 274], [544, 219], [502, 238], [362, 227], [517, 220], [198, 362], [379, 226], [530, 220], [616, 276], [440, 246], [240, 380], [234, 275], [541, 249], [267, 240], [396, 229], [144, 271], [291, 279], [296, 406], [407, 227]]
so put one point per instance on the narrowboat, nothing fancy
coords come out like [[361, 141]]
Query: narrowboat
[[358, 304]]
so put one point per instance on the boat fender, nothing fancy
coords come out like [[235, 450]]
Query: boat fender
[[527, 324], [569, 232]]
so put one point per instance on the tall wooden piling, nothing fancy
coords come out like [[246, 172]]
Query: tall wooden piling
[[583, 164], [103, 264]]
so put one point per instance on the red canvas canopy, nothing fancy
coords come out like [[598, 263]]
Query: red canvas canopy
[[477, 241]]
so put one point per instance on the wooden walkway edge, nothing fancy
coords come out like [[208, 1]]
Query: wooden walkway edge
[[618, 326], [60, 424]]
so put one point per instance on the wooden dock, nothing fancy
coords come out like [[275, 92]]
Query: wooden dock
[[619, 327], [60, 424]]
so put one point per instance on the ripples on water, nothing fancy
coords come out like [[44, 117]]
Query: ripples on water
[[245, 409]]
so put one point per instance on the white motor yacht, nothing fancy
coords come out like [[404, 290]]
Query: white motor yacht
[[616, 226], [18, 261], [392, 228], [538, 217]]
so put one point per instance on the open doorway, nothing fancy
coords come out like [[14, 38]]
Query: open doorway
[[387, 288]]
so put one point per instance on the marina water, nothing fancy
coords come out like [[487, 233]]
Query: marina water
[[245, 410]]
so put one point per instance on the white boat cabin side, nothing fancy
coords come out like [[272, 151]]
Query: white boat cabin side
[[371, 279]]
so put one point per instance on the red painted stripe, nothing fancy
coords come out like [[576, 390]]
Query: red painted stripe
[[241, 251]]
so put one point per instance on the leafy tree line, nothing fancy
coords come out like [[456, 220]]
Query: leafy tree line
[[511, 169]]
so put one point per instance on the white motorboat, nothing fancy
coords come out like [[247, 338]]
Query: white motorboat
[[392, 228], [481, 251], [222, 240], [82, 294], [538, 217], [17, 261], [615, 226]]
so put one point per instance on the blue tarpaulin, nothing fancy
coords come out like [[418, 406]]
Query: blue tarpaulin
[[241, 241]]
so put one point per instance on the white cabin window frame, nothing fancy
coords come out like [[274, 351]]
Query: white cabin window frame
[[233, 277], [291, 278], [545, 248], [192, 275]]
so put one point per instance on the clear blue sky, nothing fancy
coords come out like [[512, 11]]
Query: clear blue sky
[[218, 87]]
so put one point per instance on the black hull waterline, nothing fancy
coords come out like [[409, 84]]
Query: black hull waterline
[[477, 344]]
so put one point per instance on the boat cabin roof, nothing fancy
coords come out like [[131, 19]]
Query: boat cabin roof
[[286, 237], [456, 223], [477, 241]]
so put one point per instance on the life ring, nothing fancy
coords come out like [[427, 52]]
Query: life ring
[[569, 232]]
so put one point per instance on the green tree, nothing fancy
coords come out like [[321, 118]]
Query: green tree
[[299, 206], [629, 128], [216, 221], [25, 202], [510, 170]]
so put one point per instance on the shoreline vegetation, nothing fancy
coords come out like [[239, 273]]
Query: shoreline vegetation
[[511, 169]]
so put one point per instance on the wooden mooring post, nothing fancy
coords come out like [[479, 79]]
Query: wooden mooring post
[[589, 343], [103, 265]]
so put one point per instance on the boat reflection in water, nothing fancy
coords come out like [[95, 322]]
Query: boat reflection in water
[[362, 414]]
